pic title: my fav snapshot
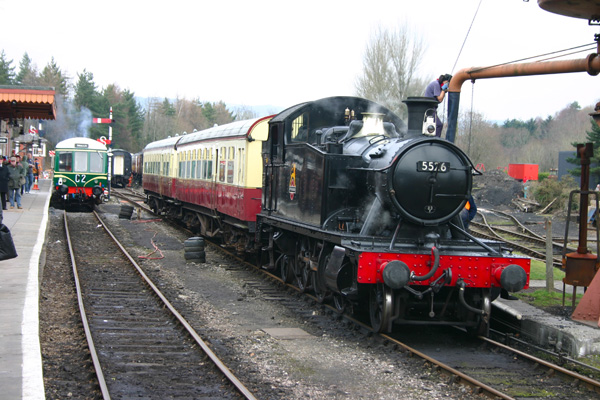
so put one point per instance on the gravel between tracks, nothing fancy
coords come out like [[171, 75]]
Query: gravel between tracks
[[333, 362]]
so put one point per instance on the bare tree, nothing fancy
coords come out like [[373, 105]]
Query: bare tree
[[390, 67]]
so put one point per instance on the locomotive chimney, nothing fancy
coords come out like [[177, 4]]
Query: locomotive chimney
[[418, 109]]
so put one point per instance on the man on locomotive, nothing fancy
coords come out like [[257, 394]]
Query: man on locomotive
[[437, 89]]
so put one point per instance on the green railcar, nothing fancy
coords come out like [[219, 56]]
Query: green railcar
[[80, 171]]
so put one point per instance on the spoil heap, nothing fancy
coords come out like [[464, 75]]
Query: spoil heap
[[496, 190]]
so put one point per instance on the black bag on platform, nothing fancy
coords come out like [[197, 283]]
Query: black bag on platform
[[7, 246]]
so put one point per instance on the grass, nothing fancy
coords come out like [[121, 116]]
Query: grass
[[538, 271], [541, 297]]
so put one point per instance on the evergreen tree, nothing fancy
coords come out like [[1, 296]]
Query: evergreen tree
[[167, 108], [52, 76], [129, 119], [27, 72], [7, 71]]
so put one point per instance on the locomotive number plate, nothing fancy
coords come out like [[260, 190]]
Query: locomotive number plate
[[433, 166]]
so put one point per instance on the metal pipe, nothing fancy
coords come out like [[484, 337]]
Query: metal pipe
[[590, 64], [435, 253]]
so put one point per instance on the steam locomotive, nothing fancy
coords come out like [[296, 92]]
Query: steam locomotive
[[353, 205]]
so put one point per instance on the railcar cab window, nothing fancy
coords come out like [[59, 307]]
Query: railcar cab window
[[65, 162], [96, 162]]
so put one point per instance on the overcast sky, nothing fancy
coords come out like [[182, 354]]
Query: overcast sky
[[282, 53]]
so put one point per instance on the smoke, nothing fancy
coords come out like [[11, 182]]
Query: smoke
[[70, 122], [376, 218]]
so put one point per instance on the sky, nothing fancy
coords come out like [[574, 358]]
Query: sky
[[281, 53]]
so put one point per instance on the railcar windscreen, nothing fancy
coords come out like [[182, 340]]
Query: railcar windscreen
[[96, 162]]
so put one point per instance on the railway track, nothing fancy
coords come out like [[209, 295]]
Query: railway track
[[496, 369], [473, 364], [140, 345], [518, 237]]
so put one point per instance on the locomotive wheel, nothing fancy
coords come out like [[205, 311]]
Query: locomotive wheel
[[319, 286], [483, 321], [286, 268], [320, 293], [339, 303], [381, 302], [302, 276]]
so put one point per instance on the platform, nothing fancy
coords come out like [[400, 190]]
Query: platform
[[20, 355], [576, 339]]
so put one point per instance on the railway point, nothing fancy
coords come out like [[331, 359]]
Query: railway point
[[21, 374]]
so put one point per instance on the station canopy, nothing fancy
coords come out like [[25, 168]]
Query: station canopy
[[27, 102]]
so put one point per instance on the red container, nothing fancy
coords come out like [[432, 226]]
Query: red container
[[523, 172]]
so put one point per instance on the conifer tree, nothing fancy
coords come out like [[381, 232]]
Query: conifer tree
[[27, 72], [52, 76], [7, 71]]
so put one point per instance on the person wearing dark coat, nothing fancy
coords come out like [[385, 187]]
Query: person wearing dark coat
[[16, 174], [4, 182]]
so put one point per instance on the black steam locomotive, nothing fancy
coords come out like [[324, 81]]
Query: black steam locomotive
[[362, 209]]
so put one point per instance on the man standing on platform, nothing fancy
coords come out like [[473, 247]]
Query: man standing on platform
[[28, 165], [16, 174]]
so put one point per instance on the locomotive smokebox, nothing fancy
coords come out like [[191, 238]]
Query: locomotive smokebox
[[419, 108]]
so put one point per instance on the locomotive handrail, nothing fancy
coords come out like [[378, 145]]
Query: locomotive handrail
[[473, 238]]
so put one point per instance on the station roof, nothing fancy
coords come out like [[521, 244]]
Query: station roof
[[27, 102]]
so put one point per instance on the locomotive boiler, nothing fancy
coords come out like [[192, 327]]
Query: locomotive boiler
[[364, 210]]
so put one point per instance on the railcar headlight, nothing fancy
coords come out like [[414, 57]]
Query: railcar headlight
[[97, 191], [63, 189]]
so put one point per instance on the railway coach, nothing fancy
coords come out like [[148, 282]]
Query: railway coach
[[210, 179], [120, 168]]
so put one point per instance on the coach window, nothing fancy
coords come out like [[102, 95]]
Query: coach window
[[240, 162], [195, 155], [65, 162], [230, 165], [222, 160], [204, 161], [188, 172], [199, 164], [209, 165], [96, 162]]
